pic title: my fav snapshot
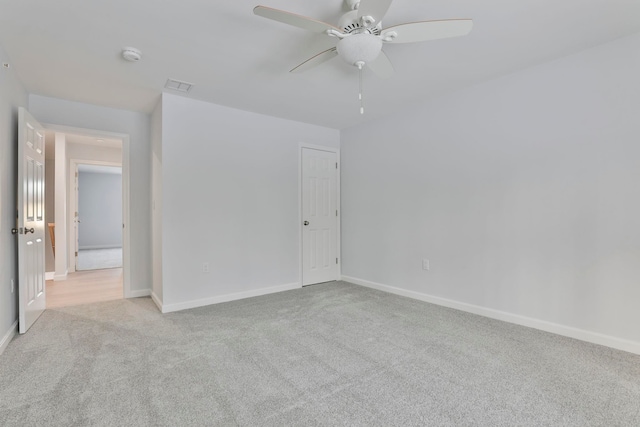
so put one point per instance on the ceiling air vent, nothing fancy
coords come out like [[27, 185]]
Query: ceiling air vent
[[178, 85]]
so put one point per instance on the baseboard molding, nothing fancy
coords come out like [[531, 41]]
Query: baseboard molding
[[168, 308], [58, 277], [156, 300], [49, 275], [138, 293], [6, 339], [543, 325], [85, 248]]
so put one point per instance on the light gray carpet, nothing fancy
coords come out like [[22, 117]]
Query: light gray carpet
[[331, 354], [98, 259]]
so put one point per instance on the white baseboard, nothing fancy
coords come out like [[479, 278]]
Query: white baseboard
[[156, 299], [49, 275], [85, 248], [168, 308], [58, 277], [543, 325], [6, 339], [138, 293]]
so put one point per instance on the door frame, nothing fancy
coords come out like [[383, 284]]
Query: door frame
[[73, 203], [126, 186], [301, 147]]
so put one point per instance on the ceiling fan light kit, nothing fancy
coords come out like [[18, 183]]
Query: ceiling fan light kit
[[360, 34], [362, 47]]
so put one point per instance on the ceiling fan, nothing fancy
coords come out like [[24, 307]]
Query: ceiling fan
[[360, 34]]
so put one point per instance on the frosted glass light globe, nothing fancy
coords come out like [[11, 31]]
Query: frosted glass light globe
[[363, 47]]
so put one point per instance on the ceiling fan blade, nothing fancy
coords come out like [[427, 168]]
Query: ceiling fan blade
[[293, 19], [381, 66], [374, 8], [428, 30], [316, 60]]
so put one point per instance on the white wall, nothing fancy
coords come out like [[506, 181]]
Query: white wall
[[12, 96], [90, 152], [100, 210], [136, 125], [230, 198], [524, 193]]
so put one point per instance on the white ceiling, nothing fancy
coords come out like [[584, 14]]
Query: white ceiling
[[71, 49], [70, 138], [93, 140]]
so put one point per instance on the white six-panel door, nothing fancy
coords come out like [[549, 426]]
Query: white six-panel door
[[31, 229], [319, 216]]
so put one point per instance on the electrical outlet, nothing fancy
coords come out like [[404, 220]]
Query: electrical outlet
[[205, 267], [13, 285], [425, 264]]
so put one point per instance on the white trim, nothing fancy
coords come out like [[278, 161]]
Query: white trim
[[85, 131], [139, 293], [157, 301], [543, 325], [49, 275], [73, 205], [338, 221], [126, 215], [168, 308], [6, 339], [60, 204], [302, 146]]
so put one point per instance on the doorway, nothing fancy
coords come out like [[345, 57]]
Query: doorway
[[319, 214], [74, 154], [97, 231]]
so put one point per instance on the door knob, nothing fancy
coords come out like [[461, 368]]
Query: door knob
[[29, 230], [306, 223]]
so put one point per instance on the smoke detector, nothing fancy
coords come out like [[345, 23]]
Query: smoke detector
[[131, 54]]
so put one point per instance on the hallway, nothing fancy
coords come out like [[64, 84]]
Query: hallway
[[85, 287]]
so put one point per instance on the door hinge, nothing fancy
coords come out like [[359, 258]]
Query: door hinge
[[336, 165], [76, 253], [336, 260], [336, 212]]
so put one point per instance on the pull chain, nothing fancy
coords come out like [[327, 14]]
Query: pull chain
[[360, 66]]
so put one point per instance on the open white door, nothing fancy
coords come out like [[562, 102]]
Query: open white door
[[319, 216], [31, 227], [76, 219]]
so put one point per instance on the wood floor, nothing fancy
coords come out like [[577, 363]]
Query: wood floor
[[85, 287]]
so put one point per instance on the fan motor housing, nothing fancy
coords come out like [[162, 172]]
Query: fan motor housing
[[350, 23], [352, 4]]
